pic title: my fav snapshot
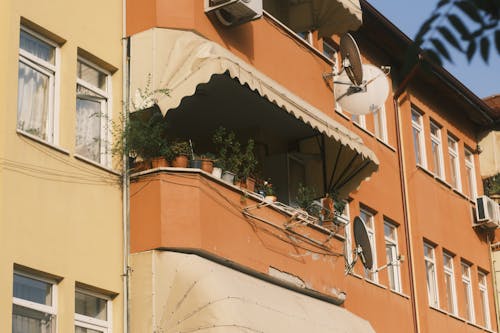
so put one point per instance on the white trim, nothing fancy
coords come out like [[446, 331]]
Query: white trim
[[395, 267], [419, 127], [469, 297], [450, 272], [372, 274], [105, 326], [470, 168], [379, 116], [437, 140], [485, 303], [432, 290], [453, 153]]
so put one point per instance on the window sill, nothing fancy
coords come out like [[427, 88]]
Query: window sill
[[424, 169], [461, 194], [444, 182], [342, 114], [43, 142], [94, 163], [399, 294], [386, 144], [438, 309], [376, 284], [355, 275], [363, 129]]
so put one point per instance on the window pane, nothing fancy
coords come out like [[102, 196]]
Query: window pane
[[91, 306], [88, 128], [416, 145], [31, 321], [91, 75], [32, 101], [79, 329], [32, 290], [37, 47]]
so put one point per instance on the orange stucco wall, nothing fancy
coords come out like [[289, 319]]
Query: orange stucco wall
[[188, 210]]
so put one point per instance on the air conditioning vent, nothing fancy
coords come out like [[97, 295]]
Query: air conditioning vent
[[234, 12], [487, 212]]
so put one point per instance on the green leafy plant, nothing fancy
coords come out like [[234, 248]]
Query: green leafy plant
[[178, 148], [305, 199], [228, 149], [492, 185], [248, 161]]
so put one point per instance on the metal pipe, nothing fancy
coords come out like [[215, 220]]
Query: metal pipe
[[406, 209]]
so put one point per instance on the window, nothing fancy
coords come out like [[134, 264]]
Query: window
[[92, 112], [485, 305], [329, 51], [418, 138], [348, 233], [391, 253], [307, 36], [379, 123], [368, 219], [430, 272], [437, 150], [359, 119], [467, 288], [449, 281], [471, 173], [34, 304], [92, 312], [38, 63], [454, 165]]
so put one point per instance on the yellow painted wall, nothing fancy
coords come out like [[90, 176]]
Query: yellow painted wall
[[490, 157], [58, 214]]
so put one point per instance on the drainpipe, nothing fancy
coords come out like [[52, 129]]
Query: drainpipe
[[125, 173], [406, 206]]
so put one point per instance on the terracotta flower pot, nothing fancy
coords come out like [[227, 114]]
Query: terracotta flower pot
[[159, 162], [207, 165], [141, 165], [180, 161]]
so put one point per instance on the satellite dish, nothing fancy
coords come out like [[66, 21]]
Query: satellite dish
[[365, 98], [363, 245], [351, 59]]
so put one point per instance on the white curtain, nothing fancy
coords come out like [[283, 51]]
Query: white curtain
[[33, 101], [88, 128], [30, 321]]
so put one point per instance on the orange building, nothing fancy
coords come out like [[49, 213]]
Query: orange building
[[211, 255]]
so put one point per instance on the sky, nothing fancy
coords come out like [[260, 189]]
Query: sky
[[408, 15]]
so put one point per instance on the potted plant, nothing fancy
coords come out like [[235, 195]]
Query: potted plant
[[247, 165], [306, 196], [228, 153], [180, 152], [266, 189], [207, 162]]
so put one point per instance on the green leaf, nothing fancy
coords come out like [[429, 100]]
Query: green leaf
[[425, 27], [470, 10], [459, 26], [439, 46], [442, 3], [485, 48], [471, 50], [497, 40], [449, 37]]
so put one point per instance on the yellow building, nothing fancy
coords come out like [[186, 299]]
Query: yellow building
[[61, 242]]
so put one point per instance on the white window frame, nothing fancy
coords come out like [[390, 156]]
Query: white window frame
[[53, 72], [372, 274], [348, 234], [485, 303], [453, 156], [104, 326], [380, 124], [436, 139], [449, 272], [469, 298], [359, 119], [49, 309], [307, 36], [470, 172], [418, 127], [106, 107], [431, 275], [392, 244]]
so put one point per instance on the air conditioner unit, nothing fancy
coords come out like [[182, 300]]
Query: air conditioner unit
[[487, 212], [234, 12]]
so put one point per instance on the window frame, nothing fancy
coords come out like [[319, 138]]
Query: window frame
[[49, 309], [105, 99], [53, 72], [436, 139], [453, 158], [450, 272], [470, 172], [380, 119], [485, 302], [348, 245], [432, 295], [370, 274], [470, 314], [418, 127], [359, 119], [394, 248], [83, 321]]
